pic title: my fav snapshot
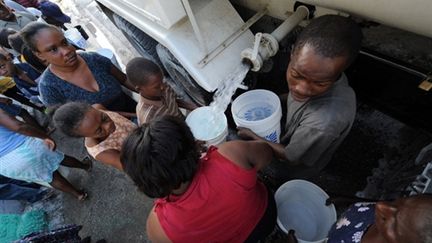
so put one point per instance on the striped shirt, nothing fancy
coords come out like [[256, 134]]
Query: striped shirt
[[147, 109]]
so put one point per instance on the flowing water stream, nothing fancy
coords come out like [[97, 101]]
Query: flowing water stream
[[222, 97], [212, 124]]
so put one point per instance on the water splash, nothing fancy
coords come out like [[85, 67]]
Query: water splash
[[222, 97], [212, 124]]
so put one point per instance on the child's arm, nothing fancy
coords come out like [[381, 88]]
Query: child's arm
[[5, 100], [110, 157], [122, 113], [187, 105], [127, 114]]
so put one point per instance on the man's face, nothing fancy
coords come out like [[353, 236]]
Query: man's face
[[310, 74], [403, 220], [6, 13]]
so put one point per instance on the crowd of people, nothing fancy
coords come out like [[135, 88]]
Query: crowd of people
[[200, 196]]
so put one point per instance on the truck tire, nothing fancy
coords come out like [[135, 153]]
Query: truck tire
[[181, 78], [143, 43]]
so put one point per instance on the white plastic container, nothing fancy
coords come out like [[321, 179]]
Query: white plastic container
[[110, 55], [259, 110], [301, 207], [75, 36], [208, 125]]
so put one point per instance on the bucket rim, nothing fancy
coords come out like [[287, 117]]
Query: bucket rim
[[271, 117], [315, 187], [224, 119]]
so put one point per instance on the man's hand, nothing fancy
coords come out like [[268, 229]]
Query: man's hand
[[5, 101], [247, 134], [50, 143]]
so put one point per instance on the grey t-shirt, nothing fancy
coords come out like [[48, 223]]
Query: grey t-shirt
[[316, 127]]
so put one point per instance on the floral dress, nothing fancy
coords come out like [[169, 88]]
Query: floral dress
[[353, 224]]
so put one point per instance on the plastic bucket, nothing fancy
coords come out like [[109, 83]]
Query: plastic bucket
[[108, 54], [301, 207], [259, 110], [208, 125], [75, 36]]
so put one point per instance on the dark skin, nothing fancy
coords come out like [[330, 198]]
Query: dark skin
[[153, 90], [64, 62], [308, 75], [8, 69], [398, 221], [58, 182], [96, 126], [246, 155], [23, 114], [6, 13]]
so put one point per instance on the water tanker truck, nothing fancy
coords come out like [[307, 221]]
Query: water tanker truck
[[200, 43]]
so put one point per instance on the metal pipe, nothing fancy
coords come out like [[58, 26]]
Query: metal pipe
[[291, 22]]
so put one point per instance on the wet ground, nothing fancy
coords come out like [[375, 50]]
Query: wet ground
[[117, 212]]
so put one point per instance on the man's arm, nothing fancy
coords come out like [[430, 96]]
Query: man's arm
[[278, 149], [122, 113], [187, 105]]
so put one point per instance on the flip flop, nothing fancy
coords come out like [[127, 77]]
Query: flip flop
[[83, 196]]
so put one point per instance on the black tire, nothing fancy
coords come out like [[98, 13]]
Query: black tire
[[143, 43], [181, 78]]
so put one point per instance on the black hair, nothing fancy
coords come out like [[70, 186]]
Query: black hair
[[4, 34], [160, 156], [32, 59], [29, 32], [331, 36], [68, 117], [139, 69], [16, 42]]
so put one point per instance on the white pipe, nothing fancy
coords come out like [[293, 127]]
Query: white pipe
[[291, 22]]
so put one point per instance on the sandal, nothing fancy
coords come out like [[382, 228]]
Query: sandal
[[83, 196], [87, 161]]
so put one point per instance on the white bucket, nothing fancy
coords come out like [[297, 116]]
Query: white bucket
[[259, 110], [108, 54], [75, 36], [301, 207], [208, 125]]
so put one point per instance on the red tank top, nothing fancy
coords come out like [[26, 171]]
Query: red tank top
[[223, 203]]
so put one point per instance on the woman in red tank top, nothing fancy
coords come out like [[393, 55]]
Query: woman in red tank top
[[216, 198]]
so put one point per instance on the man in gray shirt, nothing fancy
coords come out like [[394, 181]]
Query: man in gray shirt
[[321, 106]]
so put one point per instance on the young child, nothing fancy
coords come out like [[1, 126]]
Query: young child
[[24, 76], [104, 131], [156, 98]]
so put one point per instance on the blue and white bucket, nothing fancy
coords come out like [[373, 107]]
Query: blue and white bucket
[[259, 110]]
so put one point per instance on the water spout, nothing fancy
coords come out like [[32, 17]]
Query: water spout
[[266, 45], [222, 97]]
